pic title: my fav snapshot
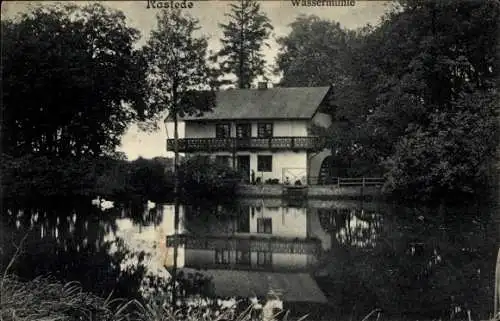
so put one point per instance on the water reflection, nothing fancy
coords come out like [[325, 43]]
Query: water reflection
[[346, 257]]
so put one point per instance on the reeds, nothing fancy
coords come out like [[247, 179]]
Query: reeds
[[47, 299]]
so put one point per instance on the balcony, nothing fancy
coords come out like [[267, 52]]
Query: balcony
[[190, 145], [252, 244]]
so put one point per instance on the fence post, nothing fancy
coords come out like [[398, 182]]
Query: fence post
[[338, 182], [363, 182]]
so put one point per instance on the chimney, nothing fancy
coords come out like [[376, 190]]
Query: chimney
[[262, 85]]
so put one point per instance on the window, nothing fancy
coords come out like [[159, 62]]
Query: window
[[223, 130], [264, 225], [223, 160], [264, 258], [264, 163], [243, 221], [221, 256], [243, 257], [265, 130], [243, 130]]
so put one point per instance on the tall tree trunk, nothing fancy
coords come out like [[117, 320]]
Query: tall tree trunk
[[241, 80], [176, 194]]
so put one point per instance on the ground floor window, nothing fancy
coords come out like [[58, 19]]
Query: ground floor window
[[264, 258], [265, 225], [221, 256], [243, 257], [264, 163]]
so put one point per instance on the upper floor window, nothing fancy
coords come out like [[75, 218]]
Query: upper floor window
[[243, 130], [223, 130], [265, 130]]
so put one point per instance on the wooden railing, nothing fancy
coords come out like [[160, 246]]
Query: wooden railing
[[252, 244], [251, 143], [350, 181]]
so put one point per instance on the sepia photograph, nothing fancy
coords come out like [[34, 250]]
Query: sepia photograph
[[250, 160]]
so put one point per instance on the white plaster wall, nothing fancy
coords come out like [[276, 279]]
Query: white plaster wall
[[290, 128], [287, 260], [281, 160], [280, 128], [199, 130], [290, 222]]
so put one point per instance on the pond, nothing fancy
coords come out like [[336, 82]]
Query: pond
[[332, 259]]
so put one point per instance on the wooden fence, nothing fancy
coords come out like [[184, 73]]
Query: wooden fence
[[350, 181]]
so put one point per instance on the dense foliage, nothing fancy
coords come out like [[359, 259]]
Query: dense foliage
[[321, 53], [434, 116], [415, 94], [243, 38], [202, 177], [67, 73], [176, 67], [34, 178]]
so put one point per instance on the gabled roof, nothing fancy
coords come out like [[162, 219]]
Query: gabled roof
[[271, 103], [294, 287]]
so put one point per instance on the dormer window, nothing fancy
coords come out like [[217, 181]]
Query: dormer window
[[265, 130], [223, 130]]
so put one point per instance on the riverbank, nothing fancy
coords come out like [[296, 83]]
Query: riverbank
[[310, 192]]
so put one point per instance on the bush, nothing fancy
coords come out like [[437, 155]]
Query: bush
[[201, 177], [272, 181], [33, 177]]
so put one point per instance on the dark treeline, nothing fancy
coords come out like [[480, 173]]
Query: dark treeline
[[31, 179], [36, 178], [416, 94]]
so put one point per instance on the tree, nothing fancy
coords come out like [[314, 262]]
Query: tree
[[321, 53], [178, 75], [243, 39], [178, 80], [70, 76], [313, 54], [434, 111]]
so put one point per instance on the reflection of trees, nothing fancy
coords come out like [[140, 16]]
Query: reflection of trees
[[67, 240], [350, 227], [419, 262]]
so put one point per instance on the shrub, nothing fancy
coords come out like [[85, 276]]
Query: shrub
[[201, 177]]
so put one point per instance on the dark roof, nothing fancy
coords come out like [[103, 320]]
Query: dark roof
[[294, 287], [271, 103]]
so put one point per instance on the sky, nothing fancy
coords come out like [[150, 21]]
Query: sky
[[137, 143]]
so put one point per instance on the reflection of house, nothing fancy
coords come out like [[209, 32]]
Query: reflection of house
[[258, 239], [261, 249], [267, 131]]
